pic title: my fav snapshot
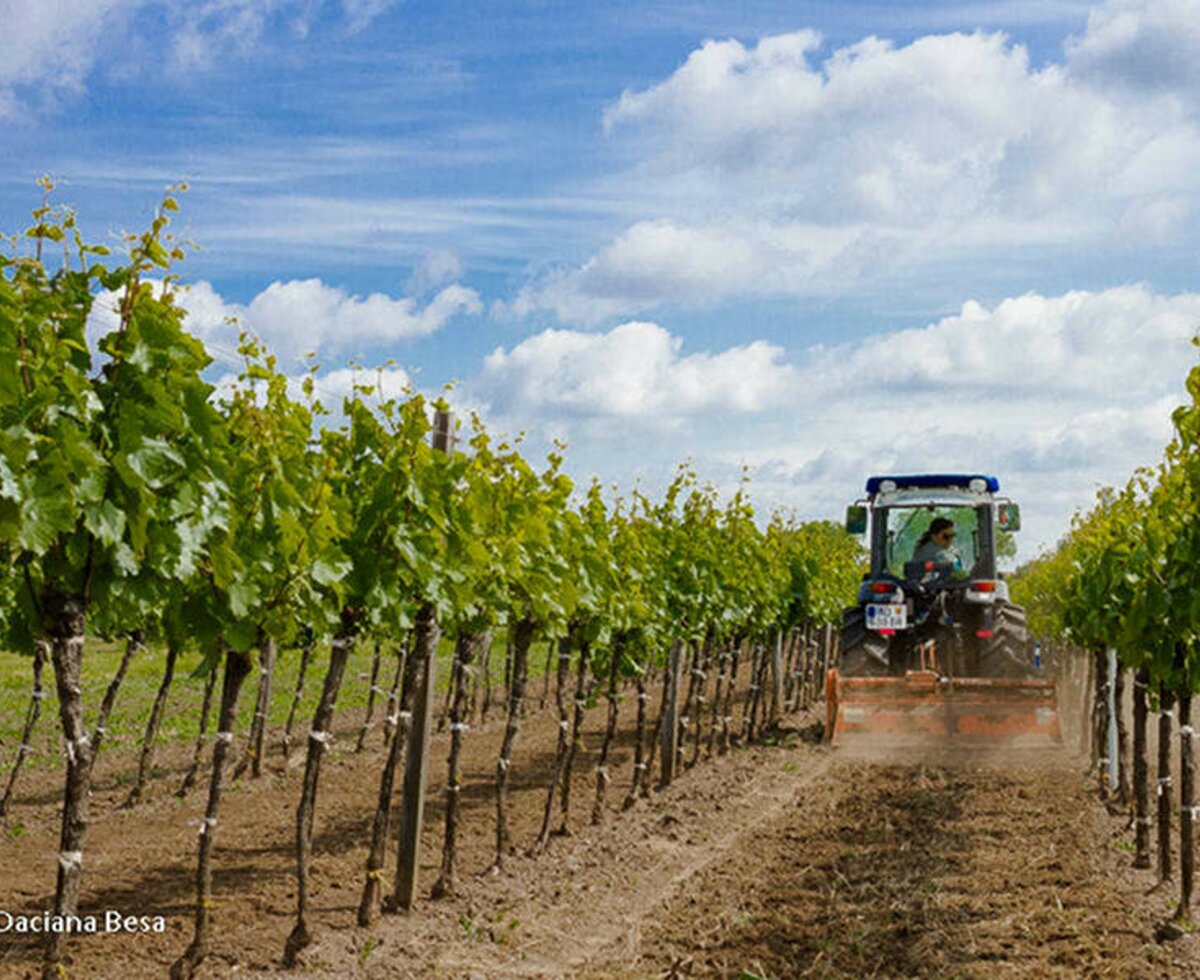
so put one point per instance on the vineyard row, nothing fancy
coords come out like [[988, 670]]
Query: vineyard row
[[138, 501]]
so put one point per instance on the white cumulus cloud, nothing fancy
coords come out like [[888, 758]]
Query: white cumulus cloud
[[635, 369], [1108, 345], [785, 168], [1140, 44], [303, 315], [1054, 394]]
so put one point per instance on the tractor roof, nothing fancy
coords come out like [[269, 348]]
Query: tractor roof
[[932, 481]]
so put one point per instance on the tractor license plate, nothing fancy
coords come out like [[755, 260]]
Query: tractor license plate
[[887, 616]]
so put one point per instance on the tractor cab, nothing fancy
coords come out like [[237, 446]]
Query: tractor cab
[[934, 532]]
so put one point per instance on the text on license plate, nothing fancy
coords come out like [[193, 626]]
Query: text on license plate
[[881, 616]]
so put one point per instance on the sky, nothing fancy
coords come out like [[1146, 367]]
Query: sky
[[816, 239]]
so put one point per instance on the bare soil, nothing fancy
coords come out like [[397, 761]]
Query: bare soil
[[957, 868], [778, 860]]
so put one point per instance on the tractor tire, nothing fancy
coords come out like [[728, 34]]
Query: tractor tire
[[864, 653], [1006, 652]]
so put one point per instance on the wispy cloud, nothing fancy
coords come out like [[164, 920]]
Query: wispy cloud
[[49, 48], [277, 161], [387, 228], [986, 13], [360, 13]]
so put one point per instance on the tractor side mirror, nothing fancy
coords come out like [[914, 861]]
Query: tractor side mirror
[[856, 519], [1008, 517]]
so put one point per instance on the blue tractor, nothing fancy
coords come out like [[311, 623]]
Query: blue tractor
[[933, 598]]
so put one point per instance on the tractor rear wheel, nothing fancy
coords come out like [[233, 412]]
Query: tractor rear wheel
[[1006, 652]]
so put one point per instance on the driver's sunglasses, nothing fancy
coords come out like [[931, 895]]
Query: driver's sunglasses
[[948, 533]]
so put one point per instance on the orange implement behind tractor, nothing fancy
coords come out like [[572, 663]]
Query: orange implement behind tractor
[[924, 707]]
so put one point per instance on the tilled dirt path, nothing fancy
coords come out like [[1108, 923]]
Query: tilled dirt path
[[795, 861], [958, 868], [781, 860]]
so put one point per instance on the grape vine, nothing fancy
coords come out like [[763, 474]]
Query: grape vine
[[138, 501]]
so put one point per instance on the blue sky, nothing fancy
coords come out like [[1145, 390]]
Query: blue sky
[[819, 239]]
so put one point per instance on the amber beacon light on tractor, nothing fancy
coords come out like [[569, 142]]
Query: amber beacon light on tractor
[[934, 650]]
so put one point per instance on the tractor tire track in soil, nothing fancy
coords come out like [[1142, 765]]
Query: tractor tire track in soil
[[953, 868], [793, 860]]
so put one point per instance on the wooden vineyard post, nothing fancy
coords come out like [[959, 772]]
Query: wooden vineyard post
[[1124, 789], [791, 669], [1141, 770], [416, 768], [1100, 721], [802, 688], [824, 660], [1187, 809], [670, 727], [1087, 678], [1166, 705], [776, 703], [40, 655]]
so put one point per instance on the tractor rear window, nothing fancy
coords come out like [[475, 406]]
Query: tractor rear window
[[907, 527]]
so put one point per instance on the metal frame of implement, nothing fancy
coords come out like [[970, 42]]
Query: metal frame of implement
[[925, 708]]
